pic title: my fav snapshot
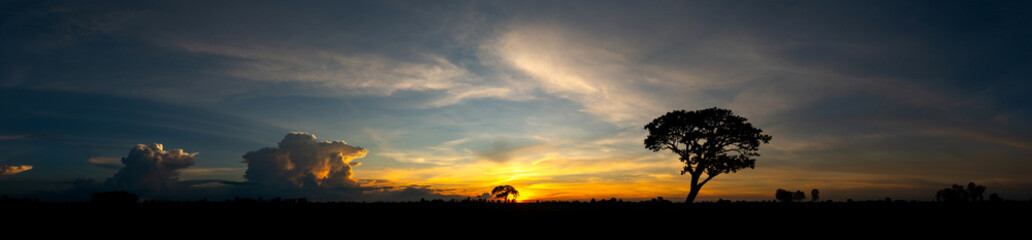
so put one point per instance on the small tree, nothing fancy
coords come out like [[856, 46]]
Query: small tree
[[504, 192], [798, 196], [955, 193], [783, 195], [815, 195], [958, 193], [975, 191], [712, 141], [995, 198]]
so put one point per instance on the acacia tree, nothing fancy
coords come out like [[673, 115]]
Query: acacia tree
[[504, 192], [711, 141]]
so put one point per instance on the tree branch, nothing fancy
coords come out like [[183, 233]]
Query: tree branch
[[708, 177]]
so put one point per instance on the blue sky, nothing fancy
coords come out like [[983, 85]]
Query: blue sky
[[863, 100]]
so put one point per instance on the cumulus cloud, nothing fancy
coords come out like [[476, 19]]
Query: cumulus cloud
[[13, 169], [151, 167], [301, 162], [300, 166]]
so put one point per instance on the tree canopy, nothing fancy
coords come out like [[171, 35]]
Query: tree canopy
[[957, 193], [504, 192], [711, 141]]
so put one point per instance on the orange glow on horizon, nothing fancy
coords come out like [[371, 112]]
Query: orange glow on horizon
[[550, 176]]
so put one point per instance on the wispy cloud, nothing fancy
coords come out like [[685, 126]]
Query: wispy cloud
[[12, 137], [13, 169], [106, 162], [209, 171], [575, 67]]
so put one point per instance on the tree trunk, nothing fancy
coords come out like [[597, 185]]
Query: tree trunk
[[694, 189]]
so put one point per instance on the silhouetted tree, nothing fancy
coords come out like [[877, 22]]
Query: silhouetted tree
[[995, 198], [958, 193], [783, 195], [815, 195], [711, 141], [798, 196], [975, 191], [504, 192]]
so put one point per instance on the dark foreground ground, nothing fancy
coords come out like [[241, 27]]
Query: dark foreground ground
[[751, 218]]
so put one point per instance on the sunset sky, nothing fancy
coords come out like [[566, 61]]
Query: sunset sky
[[447, 99]]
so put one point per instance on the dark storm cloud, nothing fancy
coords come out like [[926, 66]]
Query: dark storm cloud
[[300, 166], [150, 171], [300, 161], [151, 168]]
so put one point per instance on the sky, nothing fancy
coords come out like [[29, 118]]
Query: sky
[[403, 100]]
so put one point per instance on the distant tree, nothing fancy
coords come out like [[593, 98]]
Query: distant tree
[[958, 193], [659, 200], [798, 196], [815, 195], [504, 192], [995, 198], [711, 141], [975, 192], [783, 195]]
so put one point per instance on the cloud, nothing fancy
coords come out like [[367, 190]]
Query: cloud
[[503, 150], [12, 137], [301, 162], [410, 193], [106, 162], [358, 73], [208, 171], [576, 67], [151, 168], [300, 166], [13, 169]]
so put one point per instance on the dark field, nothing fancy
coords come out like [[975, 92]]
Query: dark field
[[736, 217]]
